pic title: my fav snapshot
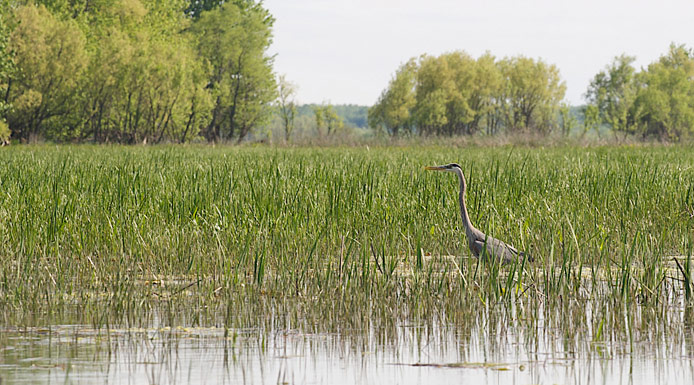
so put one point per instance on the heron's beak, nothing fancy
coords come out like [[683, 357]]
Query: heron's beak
[[435, 168]]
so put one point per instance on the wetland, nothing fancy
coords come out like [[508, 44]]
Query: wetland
[[344, 265]]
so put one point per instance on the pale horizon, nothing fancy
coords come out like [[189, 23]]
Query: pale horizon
[[345, 52]]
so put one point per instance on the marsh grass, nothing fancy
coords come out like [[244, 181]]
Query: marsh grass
[[335, 239]]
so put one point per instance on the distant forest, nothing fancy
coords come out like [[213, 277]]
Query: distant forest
[[151, 71], [457, 94], [351, 114]]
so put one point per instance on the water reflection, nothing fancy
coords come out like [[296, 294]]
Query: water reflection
[[406, 354]]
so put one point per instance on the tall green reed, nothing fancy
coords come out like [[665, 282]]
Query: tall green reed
[[354, 235]]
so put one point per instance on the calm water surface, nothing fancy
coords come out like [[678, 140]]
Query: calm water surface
[[404, 354]]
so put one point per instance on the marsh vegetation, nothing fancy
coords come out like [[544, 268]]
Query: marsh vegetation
[[353, 241]]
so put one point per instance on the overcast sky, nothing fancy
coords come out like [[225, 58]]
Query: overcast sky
[[345, 51]]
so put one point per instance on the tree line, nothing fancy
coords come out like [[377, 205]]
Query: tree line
[[133, 71], [454, 94], [130, 71], [657, 101]]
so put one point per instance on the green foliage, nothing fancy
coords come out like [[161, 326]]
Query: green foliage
[[197, 7], [485, 92], [327, 119], [532, 94], [5, 133], [6, 59], [442, 93], [392, 110], [144, 87], [613, 92], [234, 39], [316, 227], [127, 71], [567, 120], [658, 101], [352, 115], [50, 56], [286, 105], [456, 94], [665, 102], [591, 118]]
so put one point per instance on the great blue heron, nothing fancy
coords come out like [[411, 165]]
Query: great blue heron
[[480, 244]]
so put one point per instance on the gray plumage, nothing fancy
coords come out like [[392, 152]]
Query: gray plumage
[[479, 243]]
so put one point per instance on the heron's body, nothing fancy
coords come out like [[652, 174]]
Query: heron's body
[[480, 244]]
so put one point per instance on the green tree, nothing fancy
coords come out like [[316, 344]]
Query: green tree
[[50, 57], [433, 92], [460, 113], [455, 94], [567, 121], [5, 133], [664, 105], [591, 119], [486, 88], [286, 104], [327, 119], [145, 81], [196, 7], [531, 95], [234, 39], [199, 101], [613, 91], [394, 106], [6, 71]]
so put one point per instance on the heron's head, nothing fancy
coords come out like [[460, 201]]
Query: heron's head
[[449, 167]]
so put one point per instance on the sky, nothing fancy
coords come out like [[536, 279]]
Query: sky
[[346, 51]]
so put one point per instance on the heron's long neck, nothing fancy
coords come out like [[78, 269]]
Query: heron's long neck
[[463, 207]]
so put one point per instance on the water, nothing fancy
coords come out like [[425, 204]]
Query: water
[[403, 354]]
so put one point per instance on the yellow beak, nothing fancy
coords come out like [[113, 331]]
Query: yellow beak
[[435, 168]]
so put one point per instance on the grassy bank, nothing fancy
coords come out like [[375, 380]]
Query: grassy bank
[[334, 238]]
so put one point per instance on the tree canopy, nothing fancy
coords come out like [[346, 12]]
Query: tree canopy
[[135, 70], [454, 94], [233, 39], [656, 102], [196, 7]]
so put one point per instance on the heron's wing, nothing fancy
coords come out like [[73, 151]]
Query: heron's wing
[[501, 250]]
